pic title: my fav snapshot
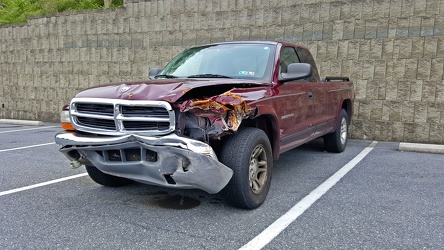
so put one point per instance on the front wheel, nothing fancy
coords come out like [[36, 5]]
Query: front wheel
[[248, 153], [336, 141], [105, 179]]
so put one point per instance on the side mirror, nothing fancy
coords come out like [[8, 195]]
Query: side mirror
[[296, 71], [153, 72]]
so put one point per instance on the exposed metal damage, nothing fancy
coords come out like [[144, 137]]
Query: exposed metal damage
[[215, 116]]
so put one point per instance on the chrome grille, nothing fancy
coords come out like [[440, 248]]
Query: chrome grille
[[96, 108], [144, 111], [135, 125], [118, 117], [96, 123]]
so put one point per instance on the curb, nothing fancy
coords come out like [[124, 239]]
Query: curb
[[422, 148], [21, 122]]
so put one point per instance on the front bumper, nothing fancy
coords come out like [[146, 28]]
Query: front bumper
[[169, 161]]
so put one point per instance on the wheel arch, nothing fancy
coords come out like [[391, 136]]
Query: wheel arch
[[267, 123], [348, 107]]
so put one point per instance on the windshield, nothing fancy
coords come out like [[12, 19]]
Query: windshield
[[244, 61]]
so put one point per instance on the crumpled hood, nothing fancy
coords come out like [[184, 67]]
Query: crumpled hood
[[169, 90]]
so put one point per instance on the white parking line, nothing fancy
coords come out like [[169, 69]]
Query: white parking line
[[285, 220], [19, 130], [32, 146], [41, 184]]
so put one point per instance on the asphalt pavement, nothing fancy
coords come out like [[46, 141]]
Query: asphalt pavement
[[387, 199]]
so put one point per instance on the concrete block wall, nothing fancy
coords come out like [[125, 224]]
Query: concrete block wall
[[392, 50]]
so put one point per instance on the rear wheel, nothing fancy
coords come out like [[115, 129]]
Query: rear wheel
[[336, 141], [248, 154], [105, 179]]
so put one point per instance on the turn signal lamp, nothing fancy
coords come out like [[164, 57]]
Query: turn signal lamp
[[64, 118]]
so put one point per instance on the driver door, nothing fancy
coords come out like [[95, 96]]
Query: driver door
[[295, 105]]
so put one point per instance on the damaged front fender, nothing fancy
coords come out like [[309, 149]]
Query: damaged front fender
[[225, 111]]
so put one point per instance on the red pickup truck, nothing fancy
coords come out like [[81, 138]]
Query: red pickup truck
[[214, 119]]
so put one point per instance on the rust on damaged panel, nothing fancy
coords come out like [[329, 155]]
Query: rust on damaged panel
[[225, 111]]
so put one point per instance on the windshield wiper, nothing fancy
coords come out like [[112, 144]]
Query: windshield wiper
[[166, 76], [208, 76]]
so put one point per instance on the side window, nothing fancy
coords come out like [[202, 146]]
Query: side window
[[306, 57], [288, 55]]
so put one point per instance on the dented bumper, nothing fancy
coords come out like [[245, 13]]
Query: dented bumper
[[169, 161]]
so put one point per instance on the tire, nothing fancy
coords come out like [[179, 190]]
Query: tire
[[105, 179], [248, 153], [337, 141]]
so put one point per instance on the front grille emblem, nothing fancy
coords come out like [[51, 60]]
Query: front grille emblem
[[125, 88]]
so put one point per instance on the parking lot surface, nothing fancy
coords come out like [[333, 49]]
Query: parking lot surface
[[372, 196]]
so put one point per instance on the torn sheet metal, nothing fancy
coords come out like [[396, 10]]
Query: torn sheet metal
[[225, 111]]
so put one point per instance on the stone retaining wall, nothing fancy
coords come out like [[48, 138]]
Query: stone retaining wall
[[392, 50]]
